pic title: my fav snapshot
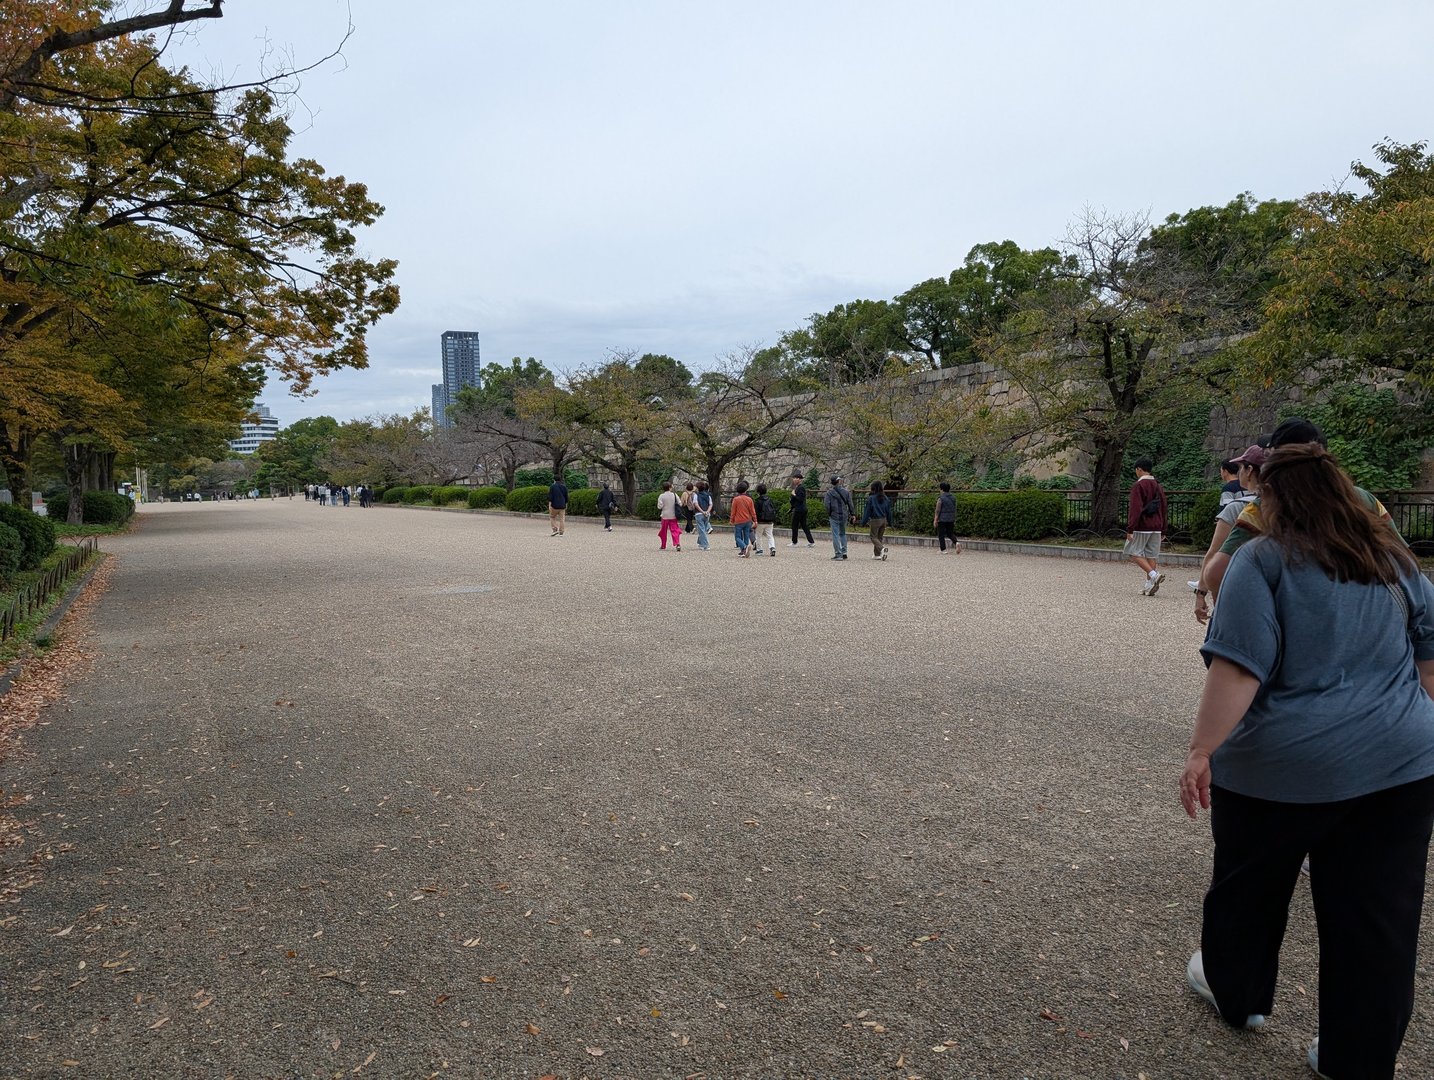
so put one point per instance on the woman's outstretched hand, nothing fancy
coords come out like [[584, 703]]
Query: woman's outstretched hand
[[1195, 782]]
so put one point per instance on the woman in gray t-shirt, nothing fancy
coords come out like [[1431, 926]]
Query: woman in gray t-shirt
[[1315, 734]]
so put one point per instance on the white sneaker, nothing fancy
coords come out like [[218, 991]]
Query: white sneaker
[[883, 554], [1155, 584], [1195, 975], [1194, 585], [1145, 589]]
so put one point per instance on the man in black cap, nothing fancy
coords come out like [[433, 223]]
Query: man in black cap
[[799, 510]]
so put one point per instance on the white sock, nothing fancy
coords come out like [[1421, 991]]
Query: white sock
[[1154, 574]]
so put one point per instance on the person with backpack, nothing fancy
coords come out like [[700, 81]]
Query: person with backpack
[[558, 507], [702, 504], [839, 512], [766, 522], [945, 519], [606, 503], [1145, 524], [875, 515], [799, 510], [688, 507]]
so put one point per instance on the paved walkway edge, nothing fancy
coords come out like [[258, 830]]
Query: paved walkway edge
[[1009, 547], [13, 669]]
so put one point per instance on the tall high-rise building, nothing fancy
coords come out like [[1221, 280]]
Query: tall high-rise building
[[252, 434], [460, 369]]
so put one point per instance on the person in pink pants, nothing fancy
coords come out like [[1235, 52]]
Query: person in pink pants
[[667, 513]]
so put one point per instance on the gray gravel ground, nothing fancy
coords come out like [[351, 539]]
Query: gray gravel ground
[[393, 794]]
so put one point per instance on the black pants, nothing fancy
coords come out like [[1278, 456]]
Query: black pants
[[1367, 866], [946, 530], [799, 522], [691, 518], [607, 517]]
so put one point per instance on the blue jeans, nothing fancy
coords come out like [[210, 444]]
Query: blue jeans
[[743, 533], [704, 526], [838, 527]]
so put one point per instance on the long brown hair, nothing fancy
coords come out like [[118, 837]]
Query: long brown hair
[[1312, 511]]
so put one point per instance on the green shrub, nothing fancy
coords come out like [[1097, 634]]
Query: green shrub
[[782, 500], [12, 548], [532, 499], [647, 507], [37, 534], [1017, 515], [576, 479], [100, 508], [916, 515], [1202, 518], [394, 495], [420, 493], [532, 478], [583, 502], [484, 497], [442, 496]]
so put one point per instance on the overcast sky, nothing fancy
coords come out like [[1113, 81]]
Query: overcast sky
[[571, 178]]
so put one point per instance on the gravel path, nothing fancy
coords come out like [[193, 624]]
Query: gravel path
[[392, 794]]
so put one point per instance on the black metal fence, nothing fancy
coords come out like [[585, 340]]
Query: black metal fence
[[36, 594], [1413, 515]]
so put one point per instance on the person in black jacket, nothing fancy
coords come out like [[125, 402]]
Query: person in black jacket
[[876, 515], [799, 510], [606, 502], [558, 507], [766, 522]]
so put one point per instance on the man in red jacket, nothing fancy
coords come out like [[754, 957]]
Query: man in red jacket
[[1144, 524]]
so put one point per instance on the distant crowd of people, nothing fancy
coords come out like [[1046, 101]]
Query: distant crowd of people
[[753, 516], [337, 495]]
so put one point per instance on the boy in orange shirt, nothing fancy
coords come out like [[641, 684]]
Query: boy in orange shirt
[[743, 516]]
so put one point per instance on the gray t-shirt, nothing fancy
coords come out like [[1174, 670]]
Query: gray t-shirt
[[1340, 711]]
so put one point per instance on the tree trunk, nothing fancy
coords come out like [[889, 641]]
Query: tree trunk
[[77, 462], [560, 459], [15, 453], [628, 475], [1106, 509], [714, 482]]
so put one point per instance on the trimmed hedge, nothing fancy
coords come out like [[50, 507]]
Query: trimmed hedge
[[576, 479], [528, 500], [442, 496], [485, 497], [37, 534], [647, 507], [100, 508], [420, 493], [583, 502], [12, 548], [917, 515], [1202, 518], [393, 495], [1017, 515]]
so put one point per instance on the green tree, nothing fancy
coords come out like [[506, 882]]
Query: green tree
[[1356, 291], [295, 457], [622, 413], [850, 343]]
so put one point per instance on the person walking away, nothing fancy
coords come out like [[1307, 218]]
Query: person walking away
[[1144, 525], [875, 515], [945, 519], [1315, 733], [1231, 486], [667, 517], [558, 507], [347, 496], [742, 514], [689, 509], [839, 511], [1247, 467], [799, 510], [766, 522], [606, 500], [702, 503]]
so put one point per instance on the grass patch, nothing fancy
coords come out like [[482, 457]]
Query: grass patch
[[64, 530], [24, 639]]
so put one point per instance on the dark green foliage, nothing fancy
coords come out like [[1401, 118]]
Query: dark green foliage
[[576, 479], [100, 508], [394, 495], [1061, 482], [484, 497], [1017, 515], [533, 478], [782, 500], [36, 533], [583, 502], [442, 496], [12, 549], [1374, 436], [647, 507], [420, 493], [532, 499], [1177, 447], [917, 514], [1202, 518]]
